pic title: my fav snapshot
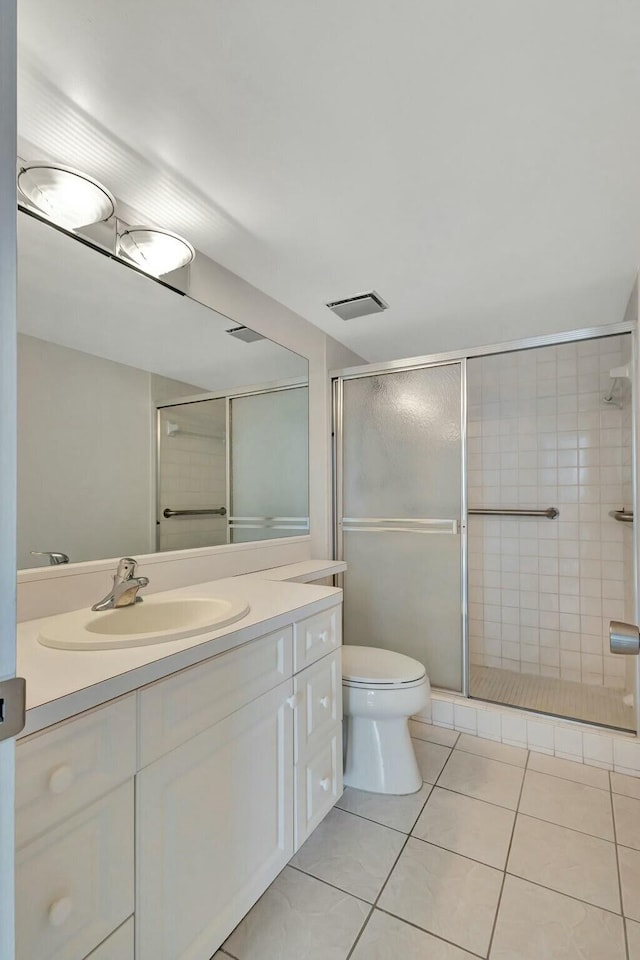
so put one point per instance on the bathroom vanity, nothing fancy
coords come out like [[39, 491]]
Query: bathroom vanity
[[161, 789]]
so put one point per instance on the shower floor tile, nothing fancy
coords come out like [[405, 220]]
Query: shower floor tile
[[561, 698]]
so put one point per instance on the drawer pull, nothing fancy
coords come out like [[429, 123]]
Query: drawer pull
[[61, 779], [59, 911], [294, 700], [325, 784], [324, 702], [324, 636]]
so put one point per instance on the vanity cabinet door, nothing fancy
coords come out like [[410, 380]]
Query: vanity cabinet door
[[318, 700], [214, 827]]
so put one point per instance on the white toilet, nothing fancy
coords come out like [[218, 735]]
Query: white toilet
[[381, 689]]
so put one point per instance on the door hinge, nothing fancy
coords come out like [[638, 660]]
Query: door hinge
[[12, 707]]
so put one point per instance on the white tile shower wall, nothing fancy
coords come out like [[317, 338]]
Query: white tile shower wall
[[541, 592]]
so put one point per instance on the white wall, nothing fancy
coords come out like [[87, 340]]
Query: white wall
[[75, 496]]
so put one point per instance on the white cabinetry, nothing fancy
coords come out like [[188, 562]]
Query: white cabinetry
[[214, 828], [74, 824], [236, 760], [318, 743]]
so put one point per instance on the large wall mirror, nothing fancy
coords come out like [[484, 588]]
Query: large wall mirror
[[144, 424]]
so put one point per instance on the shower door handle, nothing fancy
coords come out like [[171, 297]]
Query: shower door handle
[[624, 637]]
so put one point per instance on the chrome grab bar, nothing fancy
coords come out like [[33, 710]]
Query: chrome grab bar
[[550, 513], [213, 512], [624, 516]]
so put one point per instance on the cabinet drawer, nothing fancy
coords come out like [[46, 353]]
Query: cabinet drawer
[[178, 708], [318, 785], [119, 946], [74, 884], [63, 769], [317, 636], [318, 696]]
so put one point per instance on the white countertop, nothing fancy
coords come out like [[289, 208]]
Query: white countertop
[[63, 683], [305, 571]]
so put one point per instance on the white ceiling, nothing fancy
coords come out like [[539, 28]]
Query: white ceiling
[[475, 161]]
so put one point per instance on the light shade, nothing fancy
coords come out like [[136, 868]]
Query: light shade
[[65, 196], [155, 251]]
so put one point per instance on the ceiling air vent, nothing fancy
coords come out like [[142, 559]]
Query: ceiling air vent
[[359, 306], [245, 334]]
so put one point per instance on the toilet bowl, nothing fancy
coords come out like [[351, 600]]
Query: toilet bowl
[[381, 689]]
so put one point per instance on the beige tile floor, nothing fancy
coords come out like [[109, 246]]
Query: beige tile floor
[[502, 854]]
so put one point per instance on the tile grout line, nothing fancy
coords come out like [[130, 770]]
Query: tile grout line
[[373, 905], [506, 862], [379, 823], [615, 837], [388, 877], [430, 933], [475, 753], [328, 884]]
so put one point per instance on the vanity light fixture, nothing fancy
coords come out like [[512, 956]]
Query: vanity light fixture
[[66, 196], [154, 250]]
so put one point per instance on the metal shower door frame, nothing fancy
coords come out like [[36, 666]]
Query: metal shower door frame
[[388, 523], [413, 363]]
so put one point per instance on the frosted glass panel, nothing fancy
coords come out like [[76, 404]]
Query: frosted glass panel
[[269, 464], [402, 444], [402, 458], [402, 592]]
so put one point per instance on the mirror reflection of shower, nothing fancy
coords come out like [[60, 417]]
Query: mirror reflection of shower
[[233, 469]]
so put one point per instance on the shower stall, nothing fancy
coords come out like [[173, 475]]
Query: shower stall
[[484, 505]]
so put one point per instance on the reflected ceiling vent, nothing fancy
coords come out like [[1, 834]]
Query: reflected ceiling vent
[[245, 334], [359, 306]]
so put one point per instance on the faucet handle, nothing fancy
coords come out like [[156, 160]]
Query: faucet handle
[[55, 558], [126, 569]]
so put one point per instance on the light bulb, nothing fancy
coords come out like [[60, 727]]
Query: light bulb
[[65, 196]]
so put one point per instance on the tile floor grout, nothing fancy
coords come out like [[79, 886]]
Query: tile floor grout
[[400, 852], [457, 749], [615, 838], [436, 936]]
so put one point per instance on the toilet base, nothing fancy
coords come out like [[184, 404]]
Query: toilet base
[[380, 757]]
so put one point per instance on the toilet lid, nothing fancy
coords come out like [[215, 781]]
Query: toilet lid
[[372, 665]]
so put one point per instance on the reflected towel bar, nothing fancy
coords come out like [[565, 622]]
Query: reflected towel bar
[[550, 513], [217, 512]]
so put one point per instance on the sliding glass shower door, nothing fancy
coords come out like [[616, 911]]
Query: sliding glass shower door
[[400, 503]]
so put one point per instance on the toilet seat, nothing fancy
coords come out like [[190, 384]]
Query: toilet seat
[[372, 668]]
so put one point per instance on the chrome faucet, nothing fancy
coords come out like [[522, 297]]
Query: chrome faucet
[[55, 558], [125, 587]]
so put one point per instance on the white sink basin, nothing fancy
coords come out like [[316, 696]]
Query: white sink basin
[[152, 621]]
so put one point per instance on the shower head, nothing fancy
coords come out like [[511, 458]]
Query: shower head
[[610, 396], [617, 374]]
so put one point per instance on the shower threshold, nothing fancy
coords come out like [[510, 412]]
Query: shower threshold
[[590, 703]]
